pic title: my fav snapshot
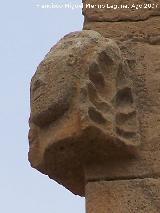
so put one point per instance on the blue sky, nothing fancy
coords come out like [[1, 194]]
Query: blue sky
[[27, 33]]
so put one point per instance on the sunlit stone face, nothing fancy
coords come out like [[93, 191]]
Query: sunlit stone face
[[52, 89], [55, 81], [82, 108]]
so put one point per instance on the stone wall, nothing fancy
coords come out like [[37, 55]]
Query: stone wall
[[95, 110]]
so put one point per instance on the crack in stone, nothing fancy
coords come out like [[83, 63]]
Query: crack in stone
[[122, 20], [123, 178]]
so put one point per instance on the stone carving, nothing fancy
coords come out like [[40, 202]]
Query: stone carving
[[130, 185], [95, 109], [82, 105]]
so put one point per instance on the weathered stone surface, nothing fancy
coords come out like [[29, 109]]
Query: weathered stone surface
[[139, 42], [134, 31], [146, 79], [82, 106], [109, 11], [123, 196], [95, 110]]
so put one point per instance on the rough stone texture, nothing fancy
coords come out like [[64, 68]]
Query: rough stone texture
[[95, 110], [140, 46], [134, 31], [137, 33], [145, 66], [131, 13], [123, 196], [82, 105]]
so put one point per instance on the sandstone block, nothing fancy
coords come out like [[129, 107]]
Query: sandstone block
[[82, 108], [128, 31], [123, 196], [120, 10]]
